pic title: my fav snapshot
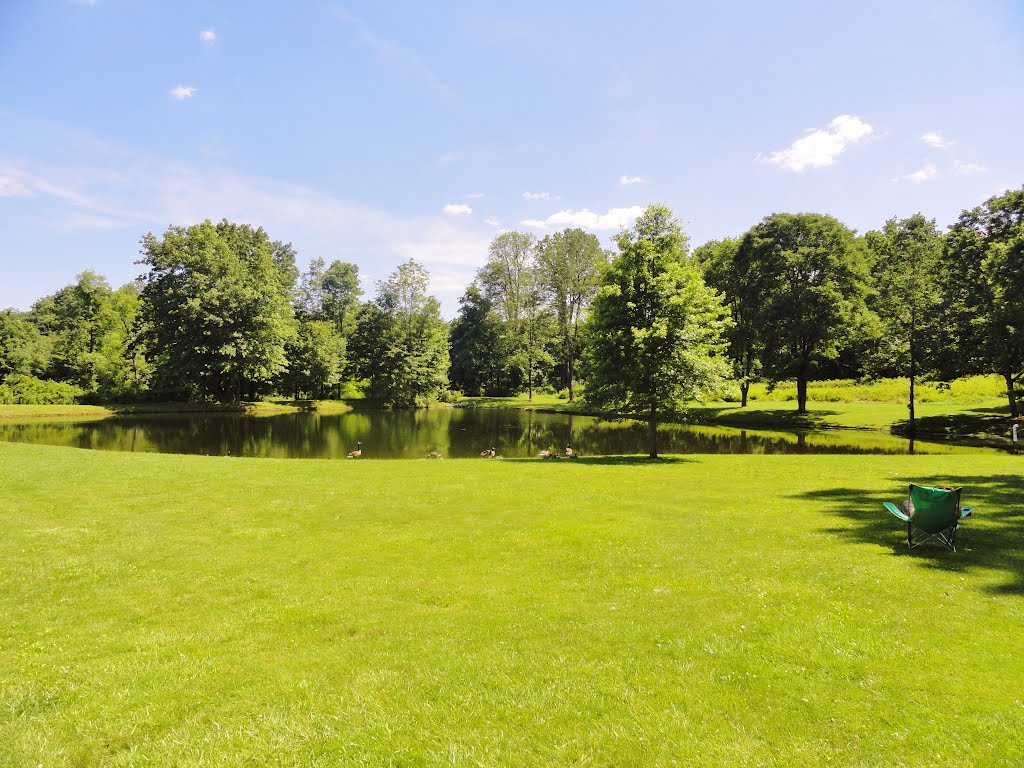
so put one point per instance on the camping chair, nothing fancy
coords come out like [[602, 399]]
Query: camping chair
[[937, 514]]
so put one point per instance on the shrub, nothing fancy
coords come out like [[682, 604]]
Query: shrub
[[28, 390]]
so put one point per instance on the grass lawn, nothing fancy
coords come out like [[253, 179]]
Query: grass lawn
[[261, 408], [703, 610]]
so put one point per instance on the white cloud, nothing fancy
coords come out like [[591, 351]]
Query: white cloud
[[457, 209], [183, 92], [537, 195], [633, 180], [936, 139], [967, 169], [12, 186], [613, 219], [475, 195], [924, 173], [820, 148], [208, 37], [492, 222]]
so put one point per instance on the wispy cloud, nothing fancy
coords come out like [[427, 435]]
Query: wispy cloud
[[457, 209], [922, 174], [182, 92], [820, 147], [401, 59], [633, 180], [612, 219], [208, 37], [475, 195], [492, 222], [537, 195], [936, 139], [968, 169], [12, 186], [82, 2]]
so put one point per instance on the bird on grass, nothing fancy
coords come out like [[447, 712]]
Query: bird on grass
[[357, 452], [569, 453], [434, 455], [490, 453]]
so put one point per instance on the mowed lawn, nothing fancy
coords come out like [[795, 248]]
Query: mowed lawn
[[704, 610]]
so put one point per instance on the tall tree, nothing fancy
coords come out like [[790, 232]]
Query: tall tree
[[569, 268], [341, 294], [401, 342], [809, 277], [217, 308], [905, 272], [982, 287], [23, 349], [479, 360], [655, 330], [722, 271]]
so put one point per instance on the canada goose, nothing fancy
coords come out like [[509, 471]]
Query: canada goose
[[569, 454], [490, 453], [357, 452], [434, 455], [545, 454]]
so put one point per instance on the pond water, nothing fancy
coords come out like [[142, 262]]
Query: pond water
[[452, 432]]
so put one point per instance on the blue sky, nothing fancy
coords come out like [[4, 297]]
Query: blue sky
[[374, 132]]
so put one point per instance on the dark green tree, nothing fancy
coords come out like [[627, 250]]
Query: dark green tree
[[316, 358], [722, 271], [401, 342], [23, 349], [905, 257], [568, 270], [808, 277], [655, 330], [217, 309], [479, 362], [983, 293]]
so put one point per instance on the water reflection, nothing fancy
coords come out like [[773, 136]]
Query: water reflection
[[453, 433]]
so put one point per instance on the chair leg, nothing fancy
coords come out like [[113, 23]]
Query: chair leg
[[910, 535]]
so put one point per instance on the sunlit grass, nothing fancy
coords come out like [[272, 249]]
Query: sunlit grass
[[705, 610]]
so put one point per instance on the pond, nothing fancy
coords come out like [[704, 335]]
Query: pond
[[451, 432]]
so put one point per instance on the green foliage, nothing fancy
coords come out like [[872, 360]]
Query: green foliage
[[480, 363], [19, 389], [217, 309], [316, 358], [807, 277], [401, 342], [655, 329], [982, 287], [23, 349], [966, 390]]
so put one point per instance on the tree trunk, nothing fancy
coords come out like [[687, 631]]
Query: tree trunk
[[1011, 394], [801, 393], [912, 426], [744, 389], [652, 435]]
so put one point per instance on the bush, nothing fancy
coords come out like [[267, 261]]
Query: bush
[[28, 390]]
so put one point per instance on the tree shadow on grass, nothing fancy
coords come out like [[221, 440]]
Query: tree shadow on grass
[[989, 422], [992, 538], [755, 417], [619, 461]]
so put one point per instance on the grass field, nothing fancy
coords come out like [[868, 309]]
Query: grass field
[[702, 610]]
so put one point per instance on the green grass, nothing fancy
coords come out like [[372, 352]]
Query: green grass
[[259, 408], [704, 610]]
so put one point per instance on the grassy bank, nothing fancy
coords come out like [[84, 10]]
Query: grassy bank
[[263, 407], [707, 610]]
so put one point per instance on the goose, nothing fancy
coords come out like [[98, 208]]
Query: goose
[[490, 453], [569, 454], [434, 455], [357, 452], [545, 454]]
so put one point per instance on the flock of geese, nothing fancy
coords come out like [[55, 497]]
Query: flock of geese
[[490, 453]]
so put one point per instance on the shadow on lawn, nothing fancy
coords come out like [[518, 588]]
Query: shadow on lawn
[[991, 538], [990, 422], [754, 417], [621, 461]]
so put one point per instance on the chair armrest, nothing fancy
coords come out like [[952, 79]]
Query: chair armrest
[[966, 511], [896, 511]]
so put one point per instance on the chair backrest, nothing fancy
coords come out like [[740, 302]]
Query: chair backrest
[[935, 509]]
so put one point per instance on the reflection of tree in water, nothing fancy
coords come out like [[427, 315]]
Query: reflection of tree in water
[[461, 432]]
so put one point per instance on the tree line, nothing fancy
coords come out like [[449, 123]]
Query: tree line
[[223, 313]]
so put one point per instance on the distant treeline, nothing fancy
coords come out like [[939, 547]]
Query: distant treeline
[[223, 313]]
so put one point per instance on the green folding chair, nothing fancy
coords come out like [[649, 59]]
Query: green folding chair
[[937, 514]]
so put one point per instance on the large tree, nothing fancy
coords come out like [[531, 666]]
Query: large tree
[[655, 330], [905, 271], [217, 308], [479, 359], [569, 268], [401, 342], [722, 271], [808, 276], [983, 286]]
